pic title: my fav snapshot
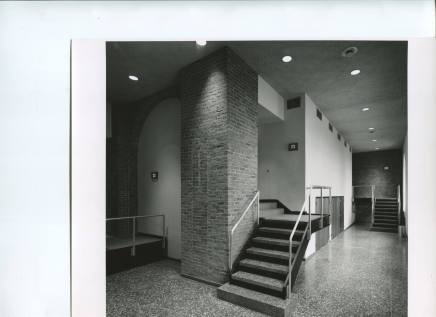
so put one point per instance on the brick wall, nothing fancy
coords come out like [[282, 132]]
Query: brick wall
[[368, 169], [219, 159]]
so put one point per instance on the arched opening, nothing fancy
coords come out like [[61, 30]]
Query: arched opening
[[159, 154]]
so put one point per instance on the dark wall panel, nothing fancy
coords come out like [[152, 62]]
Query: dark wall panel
[[369, 169]]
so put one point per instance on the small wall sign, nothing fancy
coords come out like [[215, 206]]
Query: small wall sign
[[154, 176], [293, 146]]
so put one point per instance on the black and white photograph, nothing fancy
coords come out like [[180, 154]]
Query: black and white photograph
[[217, 158]]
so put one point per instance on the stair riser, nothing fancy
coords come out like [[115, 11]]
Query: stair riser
[[385, 218], [297, 237], [273, 246], [253, 304], [258, 288], [385, 225], [271, 259], [263, 272], [281, 224], [384, 230]]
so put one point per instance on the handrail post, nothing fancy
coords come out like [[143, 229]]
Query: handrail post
[[399, 204], [258, 207], [372, 203], [322, 209], [310, 210], [330, 202], [134, 236], [163, 232]]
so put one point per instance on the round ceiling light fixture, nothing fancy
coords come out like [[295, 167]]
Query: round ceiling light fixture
[[377, 148], [371, 129], [349, 51], [201, 42], [365, 109], [286, 59], [133, 77], [355, 72], [374, 140]]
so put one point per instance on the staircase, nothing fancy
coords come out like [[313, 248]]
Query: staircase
[[260, 276], [385, 215]]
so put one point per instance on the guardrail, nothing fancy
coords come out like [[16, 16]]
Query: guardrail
[[306, 208], [133, 251]]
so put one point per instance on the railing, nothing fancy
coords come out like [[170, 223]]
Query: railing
[[133, 251], [372, 187], [399, 204], [232, 231], [306, 207]]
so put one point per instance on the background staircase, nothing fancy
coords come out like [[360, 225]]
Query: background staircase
[[385, 215], [259, 277]]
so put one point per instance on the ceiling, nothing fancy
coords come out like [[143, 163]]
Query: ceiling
[[317, 68]]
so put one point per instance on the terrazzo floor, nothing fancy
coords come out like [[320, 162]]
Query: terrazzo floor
[[360, 273]]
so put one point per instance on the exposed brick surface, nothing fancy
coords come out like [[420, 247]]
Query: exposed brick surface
[[368, 169], [219, 159]]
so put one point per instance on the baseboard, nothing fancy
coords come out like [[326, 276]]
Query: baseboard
[[201, 280]]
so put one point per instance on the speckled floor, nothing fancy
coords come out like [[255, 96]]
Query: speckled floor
[[157, 289], [360, 273]]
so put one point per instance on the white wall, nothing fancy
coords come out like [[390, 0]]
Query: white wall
[[328, 161], [421, 123], [88, 183], [281, 173], [159, 150], [270, 99]]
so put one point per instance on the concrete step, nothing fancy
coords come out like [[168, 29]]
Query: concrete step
[[385, 213], [271, 212], [258, 280], [268, 253], [377, 207], [385, 224], [384, 229], [268, 205], [264, 266], [273, 241], [263, 303], [280, 231]]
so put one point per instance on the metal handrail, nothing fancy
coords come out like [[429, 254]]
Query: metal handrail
[[399, 203], [133, 251], [256, 197], [306, 206]]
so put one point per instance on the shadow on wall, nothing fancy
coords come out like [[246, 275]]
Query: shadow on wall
[[159, 151]]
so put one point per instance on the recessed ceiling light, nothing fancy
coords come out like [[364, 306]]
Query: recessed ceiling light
[[377, 148], [370, 129], [355, 72], [133, 77], [286, 59], [374, 140], [365, 109], [201, 42]]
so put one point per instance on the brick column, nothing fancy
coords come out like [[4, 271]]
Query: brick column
[[219, 158]]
